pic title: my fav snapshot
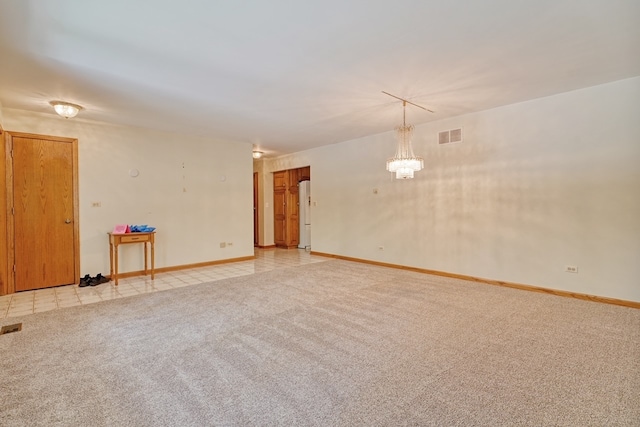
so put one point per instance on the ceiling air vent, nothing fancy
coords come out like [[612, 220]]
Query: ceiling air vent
[[448, 136]]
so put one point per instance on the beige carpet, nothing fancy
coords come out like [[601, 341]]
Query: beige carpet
[[332, 343]]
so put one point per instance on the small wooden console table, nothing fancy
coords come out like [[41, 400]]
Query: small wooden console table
[[139, 237]]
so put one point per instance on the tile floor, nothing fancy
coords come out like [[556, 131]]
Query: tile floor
[[29, 302]]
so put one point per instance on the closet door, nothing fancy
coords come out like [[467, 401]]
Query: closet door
[[44, 211], [293, 208], [280, 207]]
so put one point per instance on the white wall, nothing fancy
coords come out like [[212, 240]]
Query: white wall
[[534, 186], [180, 190]]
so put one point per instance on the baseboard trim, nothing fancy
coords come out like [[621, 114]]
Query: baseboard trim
[[267, 247], [186, 266], [566, 294]]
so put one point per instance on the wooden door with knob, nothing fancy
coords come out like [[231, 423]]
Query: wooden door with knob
[[280, 208], [44, 211]]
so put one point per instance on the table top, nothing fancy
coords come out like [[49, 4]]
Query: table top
[[132, 233]]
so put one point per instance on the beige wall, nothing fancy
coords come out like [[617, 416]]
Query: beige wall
[[196, 191], [534, 186]]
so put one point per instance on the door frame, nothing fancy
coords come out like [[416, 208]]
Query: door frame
[[256, 212], [8, 283]]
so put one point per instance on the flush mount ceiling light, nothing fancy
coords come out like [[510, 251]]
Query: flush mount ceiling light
[[257, 154], [65, 109], [405, 163]]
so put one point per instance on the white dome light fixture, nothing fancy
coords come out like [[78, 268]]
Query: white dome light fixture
[[257, 154], [65, 109]]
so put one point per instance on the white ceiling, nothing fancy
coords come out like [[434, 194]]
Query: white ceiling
[[289, 75]]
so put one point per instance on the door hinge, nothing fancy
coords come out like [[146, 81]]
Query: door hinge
[[14, 268]]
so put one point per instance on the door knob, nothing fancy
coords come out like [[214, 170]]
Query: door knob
[[67, 221]]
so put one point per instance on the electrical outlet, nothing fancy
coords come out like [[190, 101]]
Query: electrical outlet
[[571, 268], [96, 204], [229, 243], [223, 244]]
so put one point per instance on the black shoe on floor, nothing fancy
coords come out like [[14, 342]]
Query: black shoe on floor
[[85, 281], [98, 280]]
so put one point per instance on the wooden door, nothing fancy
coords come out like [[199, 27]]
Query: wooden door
[[6, 269], [280, 180], [45, 211], [293, 209], [256, 241], [280, 208], [286, 206]]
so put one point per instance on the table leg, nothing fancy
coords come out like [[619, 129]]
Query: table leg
[[115, 256], [110, 258], [145, 258], [153, 259]]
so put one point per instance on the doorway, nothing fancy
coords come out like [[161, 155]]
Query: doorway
[[286, 206], [256, 240], [42, 206]]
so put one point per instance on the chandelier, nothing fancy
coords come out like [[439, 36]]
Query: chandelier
[[405, 163]]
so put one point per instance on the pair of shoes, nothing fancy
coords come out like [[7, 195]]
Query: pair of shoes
[[85, 281]]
